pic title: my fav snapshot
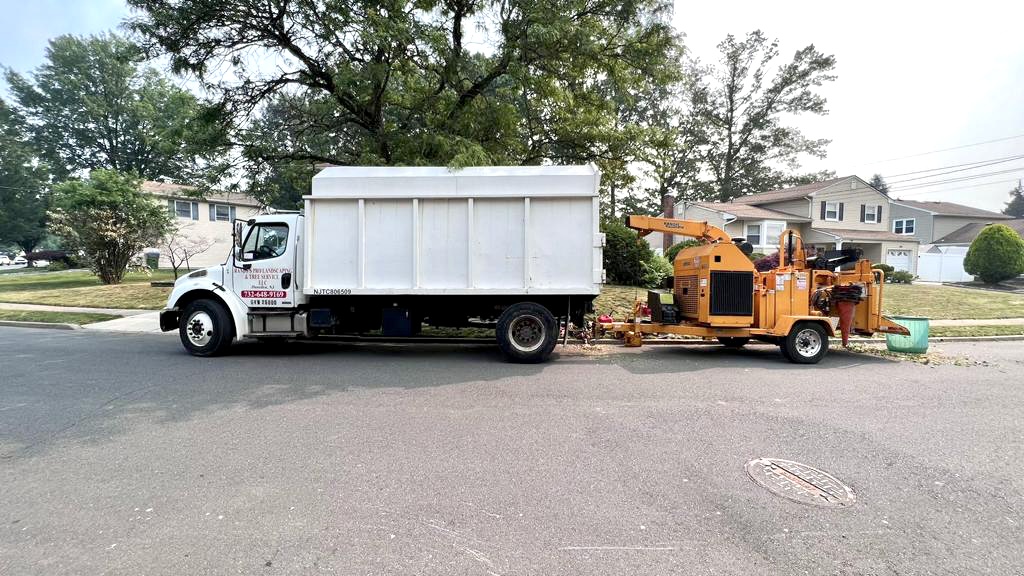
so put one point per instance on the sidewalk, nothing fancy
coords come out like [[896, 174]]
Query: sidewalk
[[48, 308]]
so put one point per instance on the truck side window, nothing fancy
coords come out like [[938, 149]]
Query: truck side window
[[266, 241]]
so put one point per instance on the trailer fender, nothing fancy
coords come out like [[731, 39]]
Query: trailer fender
[[189, 289], [785, 324]]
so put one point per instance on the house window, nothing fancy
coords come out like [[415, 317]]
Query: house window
[[186, 209], [220, 213], [871, 214], [754, 234], [904, 226], [772, 231], [832, 211]]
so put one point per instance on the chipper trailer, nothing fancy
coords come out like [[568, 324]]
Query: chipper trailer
[[718, 293]]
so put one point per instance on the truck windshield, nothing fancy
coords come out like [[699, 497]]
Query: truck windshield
[[266, 241]]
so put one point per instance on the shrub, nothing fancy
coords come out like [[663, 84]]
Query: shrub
[[755, 256], [997, 254], [655, 271], [901, 277], [674, 249], [56, 266], [884, 268], [624, 252], [767, 263]]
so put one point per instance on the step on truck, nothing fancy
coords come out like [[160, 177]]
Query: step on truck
[[384, 251]]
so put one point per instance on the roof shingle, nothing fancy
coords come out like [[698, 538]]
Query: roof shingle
[[952, 209], [750, 211], [967, 233]]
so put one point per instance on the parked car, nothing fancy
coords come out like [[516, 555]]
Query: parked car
[[5, 260], [19, 261]]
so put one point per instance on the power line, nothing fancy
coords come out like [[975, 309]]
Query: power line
[[887, 176], [944, 150], [959, 179], [983, 165], [971, 187]]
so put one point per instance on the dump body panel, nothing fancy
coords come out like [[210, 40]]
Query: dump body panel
[[492, 230]]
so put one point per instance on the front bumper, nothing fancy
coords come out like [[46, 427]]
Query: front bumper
[[169, 319]]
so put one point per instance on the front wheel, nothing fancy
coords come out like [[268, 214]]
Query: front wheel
[[527, 333], [807, 343], [205, 328]]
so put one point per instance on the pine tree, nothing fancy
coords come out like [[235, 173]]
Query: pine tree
[[1015, 207]]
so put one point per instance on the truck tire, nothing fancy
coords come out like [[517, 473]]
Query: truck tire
[[526, 333], [807, 343], [733, 341], [206, 328]]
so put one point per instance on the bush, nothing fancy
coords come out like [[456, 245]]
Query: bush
[[755, 256], [655, 271], [674, 249], [884, 268], [767, 263], [627, 257], [901, 277], [997, 254], [56, 266]]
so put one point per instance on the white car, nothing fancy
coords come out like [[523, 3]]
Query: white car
[[20, 261], [5, 260]]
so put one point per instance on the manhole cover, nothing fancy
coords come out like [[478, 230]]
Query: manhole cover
[[800, 482]]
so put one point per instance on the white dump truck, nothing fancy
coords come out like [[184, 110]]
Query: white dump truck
[[382, 251]]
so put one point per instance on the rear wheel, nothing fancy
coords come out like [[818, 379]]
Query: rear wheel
[[807, 343], [205, 328], [733, 341], [527, 333]]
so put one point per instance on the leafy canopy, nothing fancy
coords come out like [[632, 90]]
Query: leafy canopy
[[1015, 207], [361, 82], [92, 104], [997, 254], [23, 184], [109, 218]]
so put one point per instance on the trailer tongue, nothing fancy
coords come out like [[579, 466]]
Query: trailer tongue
[[717, 293]]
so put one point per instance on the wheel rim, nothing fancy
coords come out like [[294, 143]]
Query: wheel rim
[[808, 342], [199, 328], [526, 333]]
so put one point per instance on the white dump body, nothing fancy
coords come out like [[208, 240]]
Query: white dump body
[[491, 230]]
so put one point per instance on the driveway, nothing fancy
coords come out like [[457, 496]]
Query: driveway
[[119, 454]]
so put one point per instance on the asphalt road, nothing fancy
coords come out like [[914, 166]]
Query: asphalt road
[[119, 454]]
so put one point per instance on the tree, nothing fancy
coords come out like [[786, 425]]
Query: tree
[[93, 105], [23, 184], [997, 254], [360, 82], [179, 247], [109, 218], [738, 109], [1015, 207], [878, 183]]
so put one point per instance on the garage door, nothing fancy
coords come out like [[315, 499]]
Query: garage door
[[898, 259]]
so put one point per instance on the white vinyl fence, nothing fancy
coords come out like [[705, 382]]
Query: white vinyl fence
[[946, 266]]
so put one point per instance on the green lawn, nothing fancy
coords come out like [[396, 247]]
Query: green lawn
[[936, 302], [948, 331], [82, 288], [54, 317]]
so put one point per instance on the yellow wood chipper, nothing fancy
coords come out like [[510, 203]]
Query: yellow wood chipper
[[718, 293]]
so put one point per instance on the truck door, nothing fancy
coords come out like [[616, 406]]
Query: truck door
[[264, 275]]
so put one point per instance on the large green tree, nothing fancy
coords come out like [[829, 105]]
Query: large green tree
[[109, 218], [408, 83], [93, 104], [878, 183], [23, 184], [1015, 207], [739, 108]]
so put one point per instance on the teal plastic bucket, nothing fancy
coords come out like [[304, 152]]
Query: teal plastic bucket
[[916, 343]]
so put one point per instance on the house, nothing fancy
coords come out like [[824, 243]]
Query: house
[[966, 234], [927, 222], [838, 213], [205, 221]]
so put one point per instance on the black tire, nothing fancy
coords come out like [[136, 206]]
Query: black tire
[[205, 328], [807, 343], [733, 341], [527, 333]]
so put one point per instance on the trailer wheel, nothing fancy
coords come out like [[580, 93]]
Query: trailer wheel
[[807, 343], [526, 333], [733, 341], [205, 328]]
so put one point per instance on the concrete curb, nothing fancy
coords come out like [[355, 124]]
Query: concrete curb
[[50, 325]]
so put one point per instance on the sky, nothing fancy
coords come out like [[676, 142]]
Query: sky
[[915, 79]]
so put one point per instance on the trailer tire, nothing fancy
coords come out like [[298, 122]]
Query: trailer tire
[[807, 343], [527, 333], [205, 328], [733, 341]]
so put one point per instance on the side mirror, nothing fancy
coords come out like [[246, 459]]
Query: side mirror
[[237, 235]]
